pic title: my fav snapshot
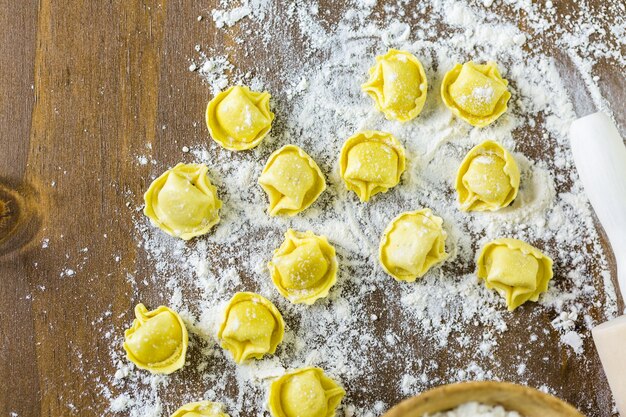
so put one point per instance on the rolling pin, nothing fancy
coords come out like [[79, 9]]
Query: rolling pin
[[600, 158]]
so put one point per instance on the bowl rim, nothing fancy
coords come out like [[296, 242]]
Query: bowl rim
[[458, 388]]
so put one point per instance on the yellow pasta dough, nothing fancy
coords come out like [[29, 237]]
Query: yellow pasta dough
[[488, 178], [305, 392], [371, 162], [157, 340], [398, 85], [476, 93], [238, 118], [292, 181], [411, 244], [304, 267], [517, 270], [201, 409], [182, 201], [251, 327]]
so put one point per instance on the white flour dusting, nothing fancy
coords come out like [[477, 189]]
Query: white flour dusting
[[371, 324], [476, 410]]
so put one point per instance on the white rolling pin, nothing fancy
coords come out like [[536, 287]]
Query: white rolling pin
[[600, 157]]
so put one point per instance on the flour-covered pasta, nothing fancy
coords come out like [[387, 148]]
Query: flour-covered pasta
[[412, 244], [251, 327], [182, 201], [371, 162], [305, 392], [476, 93], [304, 267], [398, 85], [488, 178], [517, 270], [292, 181], [201, 409], [157, 341], [239, 118]]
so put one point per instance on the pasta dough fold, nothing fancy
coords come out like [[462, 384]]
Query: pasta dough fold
[[398, 85], [201, 409], [182, 201], [517, 270], [239, 118], [292, 181], [488, 178], [371, 162], [476, 93], [305, 392], [251, 327], [157, 341], [412, 244], [304, 267]]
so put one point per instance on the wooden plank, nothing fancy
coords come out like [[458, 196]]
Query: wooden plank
[[19, 391]]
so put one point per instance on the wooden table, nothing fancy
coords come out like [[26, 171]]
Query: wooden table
[[85, 85]]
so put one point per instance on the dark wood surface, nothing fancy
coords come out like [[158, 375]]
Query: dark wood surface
[[85, 85]]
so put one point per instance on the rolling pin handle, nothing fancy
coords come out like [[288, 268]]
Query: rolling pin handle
[[600, 157]]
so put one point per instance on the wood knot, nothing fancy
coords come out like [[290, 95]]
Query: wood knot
[[19, 221]]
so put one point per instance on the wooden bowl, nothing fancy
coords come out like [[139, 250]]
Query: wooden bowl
[[526, 401]]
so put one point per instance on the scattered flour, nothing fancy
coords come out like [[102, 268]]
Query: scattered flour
[[476, 410], [371, 326]]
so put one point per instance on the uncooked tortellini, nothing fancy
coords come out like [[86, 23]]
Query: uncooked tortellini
[[201, 409], [157, 340], [488, 178], [182, 201], [305, 392], [252, 327], [518, 271], [398, 85], [239, 118], [304, 267], [292, 181], [476, 93], [371, 162], [411, 244]]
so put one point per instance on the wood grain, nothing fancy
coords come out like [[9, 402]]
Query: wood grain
[[87, 86]]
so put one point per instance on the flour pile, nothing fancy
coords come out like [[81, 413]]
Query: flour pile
[[385, 340]]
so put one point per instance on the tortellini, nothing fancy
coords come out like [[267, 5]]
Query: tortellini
[[488, 178], [182, 201], [305, 392], [476, 93], [292, 181], [398, 85], [238, 118], [517, 270], [200, 409], [371, 162], [251, 327], [411, 244], [157, 340], [304, 267]]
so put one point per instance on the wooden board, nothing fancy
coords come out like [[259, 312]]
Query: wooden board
[[85, 86]]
